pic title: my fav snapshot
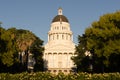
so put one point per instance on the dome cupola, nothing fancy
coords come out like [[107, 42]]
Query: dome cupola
[[60, 17]]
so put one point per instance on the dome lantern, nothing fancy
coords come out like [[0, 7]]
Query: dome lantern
[[60, 17], [60, 11]]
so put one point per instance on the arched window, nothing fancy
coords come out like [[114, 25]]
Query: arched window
[[62, 28], [62, 36], [57, 36], [57, 27]]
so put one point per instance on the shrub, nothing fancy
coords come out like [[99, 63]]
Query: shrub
[[60, 76]]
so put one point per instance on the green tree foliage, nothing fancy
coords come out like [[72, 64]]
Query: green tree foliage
[[102, 39], [28, 42], [25, 39], [14, 41], [81, 60], [37, 50], [2, 46], [8, 47]]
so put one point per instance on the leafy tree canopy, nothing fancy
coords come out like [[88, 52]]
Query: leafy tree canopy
[[102, 39], [13, 41]]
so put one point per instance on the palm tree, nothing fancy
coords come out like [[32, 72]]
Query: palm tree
[[24, 41]]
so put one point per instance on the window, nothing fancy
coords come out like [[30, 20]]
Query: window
[[62, 36], [60, 12], [57, 28], [60, 70], [70, 71], [65, 53], [65, 70], [57, 36], [62, 28], [54, 70]]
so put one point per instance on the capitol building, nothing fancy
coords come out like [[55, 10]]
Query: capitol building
[[60, 47]]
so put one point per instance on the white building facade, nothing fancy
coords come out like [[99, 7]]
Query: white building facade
[[60, 47]]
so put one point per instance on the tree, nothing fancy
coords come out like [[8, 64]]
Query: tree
[[102, 39], [10, 50], [14, 41], [2, 46], [8, 53], [37, 50], [24, 39], [81, 60], [28, 42]]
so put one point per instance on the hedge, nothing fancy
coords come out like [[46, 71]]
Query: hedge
[[60, 76]]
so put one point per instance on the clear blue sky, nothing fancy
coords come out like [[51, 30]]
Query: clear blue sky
[[36, 15]]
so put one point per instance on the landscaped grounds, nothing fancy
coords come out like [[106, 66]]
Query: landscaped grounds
[[60, 76]]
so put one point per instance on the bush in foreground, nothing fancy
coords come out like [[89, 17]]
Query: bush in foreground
[[60, 76]]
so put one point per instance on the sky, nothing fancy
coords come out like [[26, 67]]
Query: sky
[[37, 15]]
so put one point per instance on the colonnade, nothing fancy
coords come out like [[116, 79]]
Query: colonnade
[[58, 62], [60, 36]]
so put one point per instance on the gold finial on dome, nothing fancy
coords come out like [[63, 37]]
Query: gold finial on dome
[[60, 11]]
